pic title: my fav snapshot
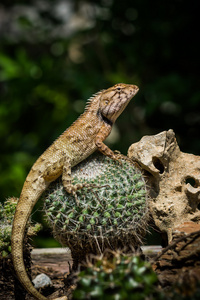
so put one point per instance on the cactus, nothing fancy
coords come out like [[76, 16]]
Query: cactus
[[9, 285], [6, 216], [7, 211], [110, 213], [120, 277]]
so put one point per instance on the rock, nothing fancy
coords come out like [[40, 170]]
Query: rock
[[42, 281], [173, 178]]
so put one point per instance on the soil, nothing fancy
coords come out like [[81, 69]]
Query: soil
[[57, 269]]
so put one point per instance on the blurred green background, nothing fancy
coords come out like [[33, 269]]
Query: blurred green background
[[55, 54]]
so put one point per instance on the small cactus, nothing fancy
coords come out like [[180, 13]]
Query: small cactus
[[120, 277], [9, 284], [110, 213], [7, 211]]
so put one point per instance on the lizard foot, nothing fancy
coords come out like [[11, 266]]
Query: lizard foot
[[74, 188], [118, 157]]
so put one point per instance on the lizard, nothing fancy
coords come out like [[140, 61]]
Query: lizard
[[76, 143]]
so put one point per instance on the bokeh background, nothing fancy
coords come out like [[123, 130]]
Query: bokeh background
[[55, 54]]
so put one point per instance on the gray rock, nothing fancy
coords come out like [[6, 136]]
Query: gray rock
[[42, 280]]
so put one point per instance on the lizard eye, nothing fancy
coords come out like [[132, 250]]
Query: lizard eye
[[118, 88]]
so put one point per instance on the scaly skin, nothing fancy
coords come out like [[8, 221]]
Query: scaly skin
[[80, 140]]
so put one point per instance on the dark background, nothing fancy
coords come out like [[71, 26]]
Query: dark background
[[55, 54]]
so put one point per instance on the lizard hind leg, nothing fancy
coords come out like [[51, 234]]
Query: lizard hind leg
[[67, 179], [73, 188]]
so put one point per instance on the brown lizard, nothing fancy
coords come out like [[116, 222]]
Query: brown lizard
[[80, 140]]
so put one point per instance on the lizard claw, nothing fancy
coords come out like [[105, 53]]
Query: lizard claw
[[117, 152], [75, 196], [119, 157]]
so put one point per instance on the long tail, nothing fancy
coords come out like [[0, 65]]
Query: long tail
[[27, 200]]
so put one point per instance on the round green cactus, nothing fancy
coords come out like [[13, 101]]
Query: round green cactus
[[110, 212]]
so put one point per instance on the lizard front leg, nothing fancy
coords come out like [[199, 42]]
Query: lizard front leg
[[104, 149]]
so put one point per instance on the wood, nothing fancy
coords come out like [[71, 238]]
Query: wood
[[58, 259], [179, 262]]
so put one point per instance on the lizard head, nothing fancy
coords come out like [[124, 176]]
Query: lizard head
[[114, 100]]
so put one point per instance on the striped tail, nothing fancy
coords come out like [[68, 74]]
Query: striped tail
[[27, 200]]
